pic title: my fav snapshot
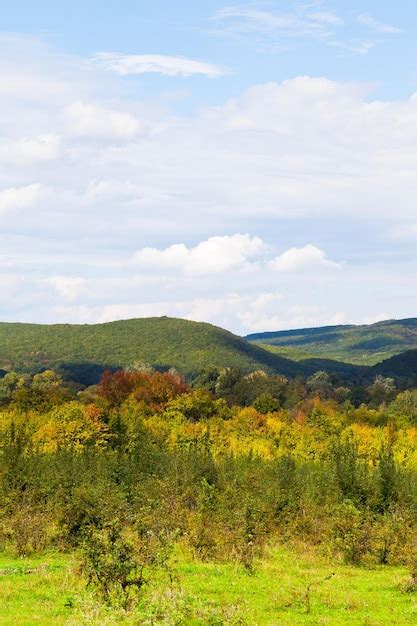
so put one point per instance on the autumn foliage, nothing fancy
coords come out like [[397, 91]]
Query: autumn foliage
[[153, 388], [126, 470]]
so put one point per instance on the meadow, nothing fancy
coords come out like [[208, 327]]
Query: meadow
[[288, 586]]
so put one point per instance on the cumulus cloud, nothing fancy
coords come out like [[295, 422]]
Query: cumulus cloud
[[217, 254], [296, 259], [233, 302], [321, 148], [307, 147], [227, 253], [87, 119], [125, 64], [85, 186]]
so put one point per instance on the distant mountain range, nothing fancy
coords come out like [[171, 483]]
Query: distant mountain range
[[84, 351], [359, 345]]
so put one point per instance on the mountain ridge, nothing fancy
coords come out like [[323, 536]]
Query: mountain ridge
[[361, 344], [85, 350]]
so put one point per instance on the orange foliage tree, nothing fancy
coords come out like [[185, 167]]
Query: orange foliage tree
[[153, 388]]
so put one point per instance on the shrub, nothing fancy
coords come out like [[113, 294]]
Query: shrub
[[118, 561], [352, 533]]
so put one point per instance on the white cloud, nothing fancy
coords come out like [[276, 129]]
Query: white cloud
[[223, 254], [268, 27], [175, 257], [297, 22], [30, 88], [368, 20], [217, 254], [242, 305], [113, 189], [15, 198], [69, 287], [277, 160], [353, 47], [326, 17], [27, 151], [307, 147], [33, 76], [268, 311], [125, 64], [296, 316], [218, 309], [307, 258], [257, 19], [96, 121]]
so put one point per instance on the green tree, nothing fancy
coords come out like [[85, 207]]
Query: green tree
[[320, 384], [266, 403], [382, 390]]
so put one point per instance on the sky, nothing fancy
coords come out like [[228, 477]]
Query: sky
[[252, 165]]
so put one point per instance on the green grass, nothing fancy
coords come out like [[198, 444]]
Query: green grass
[[51, 592], [36, 590]]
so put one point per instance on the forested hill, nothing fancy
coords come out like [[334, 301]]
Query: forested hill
[[401, 366], [362, 345], [86, 350]]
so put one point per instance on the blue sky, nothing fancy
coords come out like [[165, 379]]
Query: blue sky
[[248, 164], [198, 30]]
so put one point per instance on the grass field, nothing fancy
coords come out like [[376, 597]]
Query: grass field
[[286, 588]]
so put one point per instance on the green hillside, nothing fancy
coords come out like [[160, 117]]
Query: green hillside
[[360, 345], [288, 352], [85, 350]]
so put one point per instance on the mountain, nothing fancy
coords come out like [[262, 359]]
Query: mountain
[[84, 351], [360, 345], [401, 366]]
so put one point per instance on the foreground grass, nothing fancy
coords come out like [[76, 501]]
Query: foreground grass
[[286, 588]]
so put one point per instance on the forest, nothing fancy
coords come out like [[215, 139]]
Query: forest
[[365, 344], [229, 497]]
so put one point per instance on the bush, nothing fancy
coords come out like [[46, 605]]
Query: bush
[[112, 563], [26, 530], [352, 533], [118, 561]]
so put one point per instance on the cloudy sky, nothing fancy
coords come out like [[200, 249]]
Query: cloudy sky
[[253, 165]]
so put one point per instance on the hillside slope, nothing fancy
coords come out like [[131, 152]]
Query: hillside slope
[[401, 366], [361, 345], [86, 350]]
